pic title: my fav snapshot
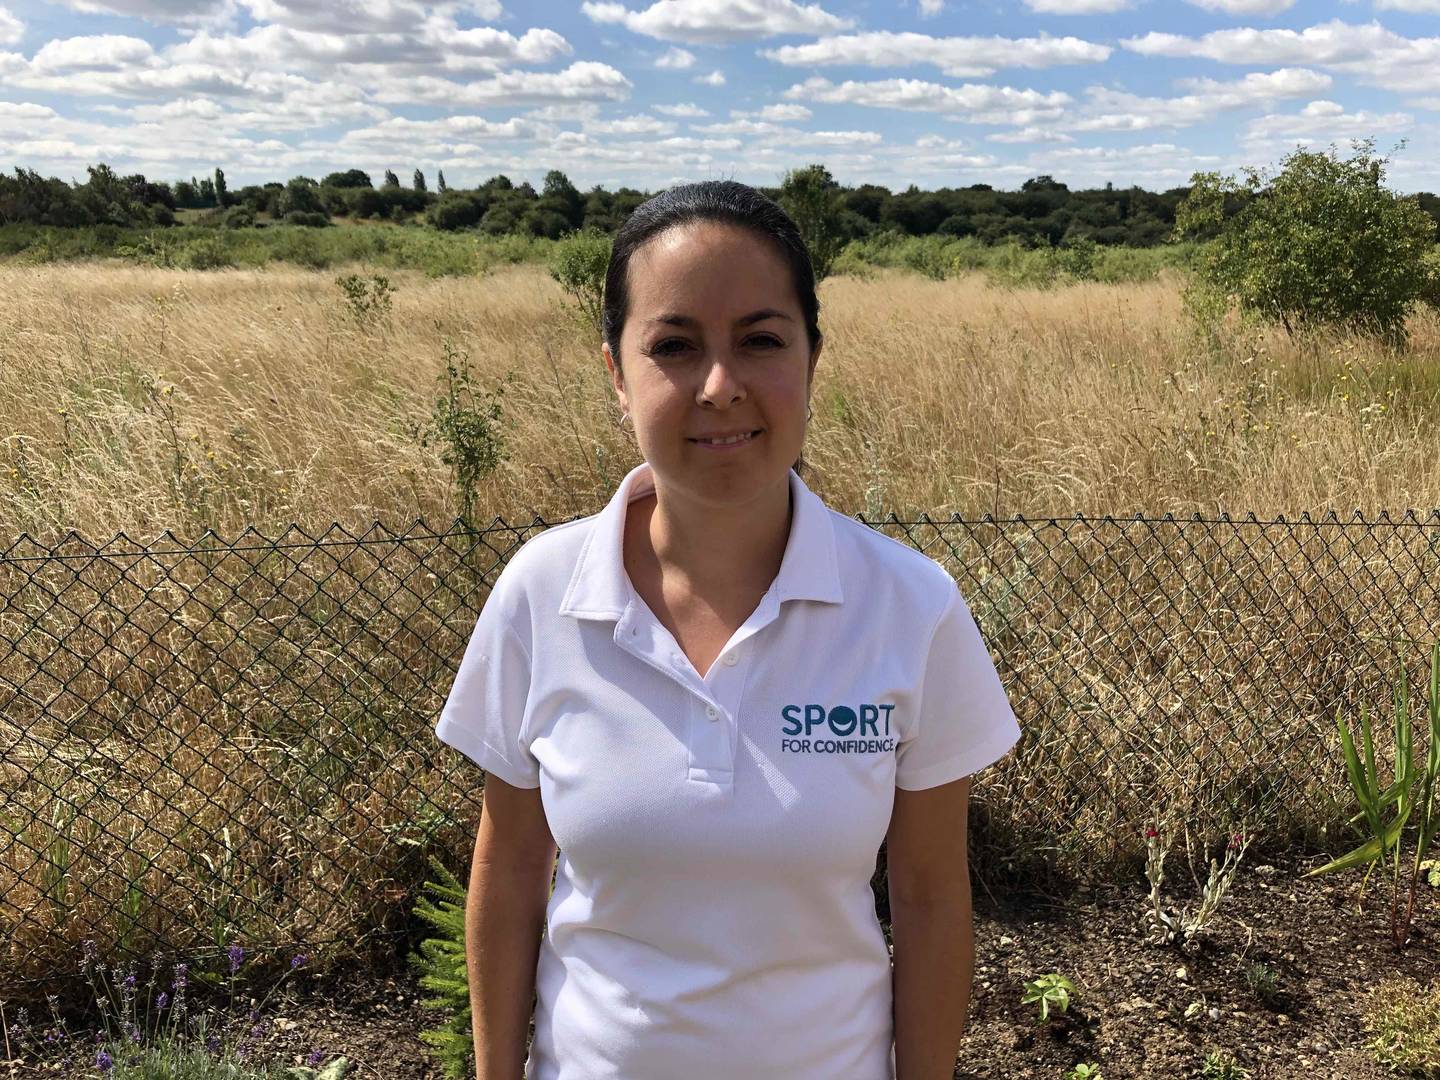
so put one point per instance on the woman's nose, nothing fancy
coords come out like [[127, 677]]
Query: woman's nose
[[721, 385]]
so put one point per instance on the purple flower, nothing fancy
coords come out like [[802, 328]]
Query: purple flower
[[162, 1000], [315, 1058], [298, 960], [128, 984], [180, 980], [212, 1043], [104, 1062], [236, 955], [89, 951]]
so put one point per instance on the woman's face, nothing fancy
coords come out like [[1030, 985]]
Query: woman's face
[[714, 347]]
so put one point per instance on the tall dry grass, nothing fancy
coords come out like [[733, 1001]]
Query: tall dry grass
[[934, 396], [1152, 670]]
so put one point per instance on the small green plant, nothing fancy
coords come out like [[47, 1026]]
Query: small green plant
[[1410, 789], [1084, 1071], [1403, 1022], [1051, 991], [467, 424], [441, 964], [1221, 1066], [368, 298], [578, 262], [1263, 982]]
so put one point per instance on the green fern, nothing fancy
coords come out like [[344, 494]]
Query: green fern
[[441, 963]]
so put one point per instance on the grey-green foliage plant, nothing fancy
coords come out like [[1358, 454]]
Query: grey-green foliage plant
[[1085, 1071], [578, 261], [1221, 1066], [466, 422], [441, 965], [1411, 789], [1321, 242], [812, 198]]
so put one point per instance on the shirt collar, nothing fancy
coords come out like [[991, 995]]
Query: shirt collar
[[600, 589]]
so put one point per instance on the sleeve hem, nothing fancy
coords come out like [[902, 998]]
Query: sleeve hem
[[485, 755], [967, 764]]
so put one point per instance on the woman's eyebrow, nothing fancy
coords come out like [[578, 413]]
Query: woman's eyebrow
[[671, 319]]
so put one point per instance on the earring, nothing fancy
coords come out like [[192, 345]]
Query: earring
[[625, 415], [809, 413]]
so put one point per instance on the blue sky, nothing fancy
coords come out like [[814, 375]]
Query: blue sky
[[640, 93]]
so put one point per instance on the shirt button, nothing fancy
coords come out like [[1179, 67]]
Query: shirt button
[[712, 712], [731, 659]]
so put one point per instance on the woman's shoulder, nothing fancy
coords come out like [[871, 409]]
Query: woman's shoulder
[[865, 554], [543, 563]]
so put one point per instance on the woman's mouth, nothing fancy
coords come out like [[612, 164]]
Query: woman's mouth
[[727, 442]]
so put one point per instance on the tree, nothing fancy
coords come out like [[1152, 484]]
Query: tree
[[1321, 242], [811, 196], [207, 192], [391, 180], [440, 181], [222, 193], [301, 195], [419, 181], [560, 196], [350, 178]]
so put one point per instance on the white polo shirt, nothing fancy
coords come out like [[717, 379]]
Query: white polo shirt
[[712, 915]]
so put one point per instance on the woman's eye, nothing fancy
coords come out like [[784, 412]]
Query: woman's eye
[[768, 341], [668, 347]]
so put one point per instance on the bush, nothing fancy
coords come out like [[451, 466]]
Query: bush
[[310, 218], [206, 253], [1322, 242], [239, 217], [578, 263], [811, 196], [455, 211]]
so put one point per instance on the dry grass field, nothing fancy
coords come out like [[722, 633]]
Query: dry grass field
[[145, 399], [199, 762]]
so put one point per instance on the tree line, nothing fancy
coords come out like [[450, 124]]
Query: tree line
[[1042, 211]]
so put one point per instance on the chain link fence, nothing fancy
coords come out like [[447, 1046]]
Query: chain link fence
[[211, 742]]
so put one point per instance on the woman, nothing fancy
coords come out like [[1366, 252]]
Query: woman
[[718, 696]]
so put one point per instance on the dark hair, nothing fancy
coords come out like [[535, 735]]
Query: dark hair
[[727, 201]]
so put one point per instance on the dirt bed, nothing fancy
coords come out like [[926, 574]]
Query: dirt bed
[[1129, 1015]]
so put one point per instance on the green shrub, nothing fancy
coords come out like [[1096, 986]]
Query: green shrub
[[206, 253], [309, 218], [578, 263], [1322, 242], [239, 217], [812, 198], [441, 964]]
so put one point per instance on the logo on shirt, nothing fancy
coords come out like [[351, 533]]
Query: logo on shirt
[[840, 729]]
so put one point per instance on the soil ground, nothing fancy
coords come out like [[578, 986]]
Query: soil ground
[[1326, 947]]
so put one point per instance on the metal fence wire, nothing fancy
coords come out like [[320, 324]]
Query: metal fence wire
[[205, 742]]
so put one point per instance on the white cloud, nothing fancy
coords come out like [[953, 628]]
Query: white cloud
[[676, 58], [717, 22], [1030, 135], [929, 8], [585, 80], [1115, 110], [979, 103], [782, 114], [1077, 7], [639, 124], [1244, 7], [180, 12], [684, 109], [1418, 7], [11, 28], [24, 110], [958, 57], [1370, 52], [102, 52], [360, 16], [715, 78], [1323, 121]]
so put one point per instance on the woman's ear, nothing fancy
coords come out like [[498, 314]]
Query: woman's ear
[[617, 376], [814, 359]]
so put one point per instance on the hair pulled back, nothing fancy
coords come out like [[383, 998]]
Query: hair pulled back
[[726, 201]]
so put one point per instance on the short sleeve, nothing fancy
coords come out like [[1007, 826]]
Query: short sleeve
[[965, 721], [484, 715]]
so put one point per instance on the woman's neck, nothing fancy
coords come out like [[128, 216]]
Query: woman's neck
[[714, 549]]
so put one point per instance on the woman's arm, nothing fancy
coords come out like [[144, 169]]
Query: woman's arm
[[505, 904], [931, 926]]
